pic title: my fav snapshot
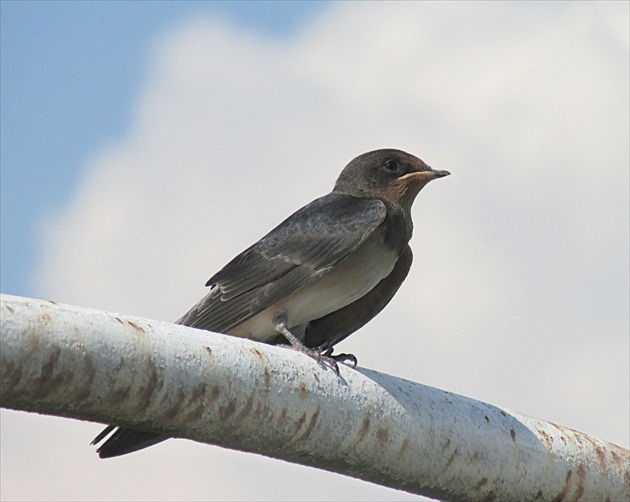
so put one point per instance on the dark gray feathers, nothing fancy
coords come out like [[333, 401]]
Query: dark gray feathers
[[299, 250]]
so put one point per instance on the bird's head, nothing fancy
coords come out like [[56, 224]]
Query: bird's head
[[387, 174]]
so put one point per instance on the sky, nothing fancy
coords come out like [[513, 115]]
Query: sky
[[143, 145]]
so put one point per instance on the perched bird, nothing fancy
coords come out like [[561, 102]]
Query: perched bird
[[317, 277]]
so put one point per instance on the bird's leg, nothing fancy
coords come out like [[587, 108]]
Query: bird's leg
[[296, 344]]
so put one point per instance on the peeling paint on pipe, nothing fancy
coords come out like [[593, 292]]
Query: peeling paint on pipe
[[104, 367]]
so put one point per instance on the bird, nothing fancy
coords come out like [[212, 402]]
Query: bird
[[318, 276]]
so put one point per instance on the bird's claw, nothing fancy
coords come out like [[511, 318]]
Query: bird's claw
[[341, 357], [324, 358], [322, 354]]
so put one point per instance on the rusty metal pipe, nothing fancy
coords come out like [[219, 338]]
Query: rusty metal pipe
[[93, 365]]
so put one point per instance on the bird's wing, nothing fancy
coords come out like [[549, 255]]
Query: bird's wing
[[302, 248], [334, 327]]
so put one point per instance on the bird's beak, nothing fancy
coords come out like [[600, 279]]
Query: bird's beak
[[425, 176]]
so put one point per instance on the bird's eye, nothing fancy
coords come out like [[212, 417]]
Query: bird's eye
[[391, 166]]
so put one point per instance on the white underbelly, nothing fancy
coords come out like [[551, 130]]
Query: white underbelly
[[348, 281]]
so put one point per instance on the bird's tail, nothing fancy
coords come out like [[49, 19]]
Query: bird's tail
[[124, 441]]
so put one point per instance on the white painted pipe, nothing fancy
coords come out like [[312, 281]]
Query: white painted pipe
[[93, 365]]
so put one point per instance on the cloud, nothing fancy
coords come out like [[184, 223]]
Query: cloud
[[519, 290]]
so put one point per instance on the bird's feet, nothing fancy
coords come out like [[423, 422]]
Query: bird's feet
[[341, 357], [316, 353], [319, 357]]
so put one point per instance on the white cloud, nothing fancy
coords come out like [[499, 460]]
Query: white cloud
[[519, 290]]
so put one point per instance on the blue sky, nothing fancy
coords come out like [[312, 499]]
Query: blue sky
[[70, 73]]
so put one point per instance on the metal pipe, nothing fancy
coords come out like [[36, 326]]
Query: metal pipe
[[105, 367]]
